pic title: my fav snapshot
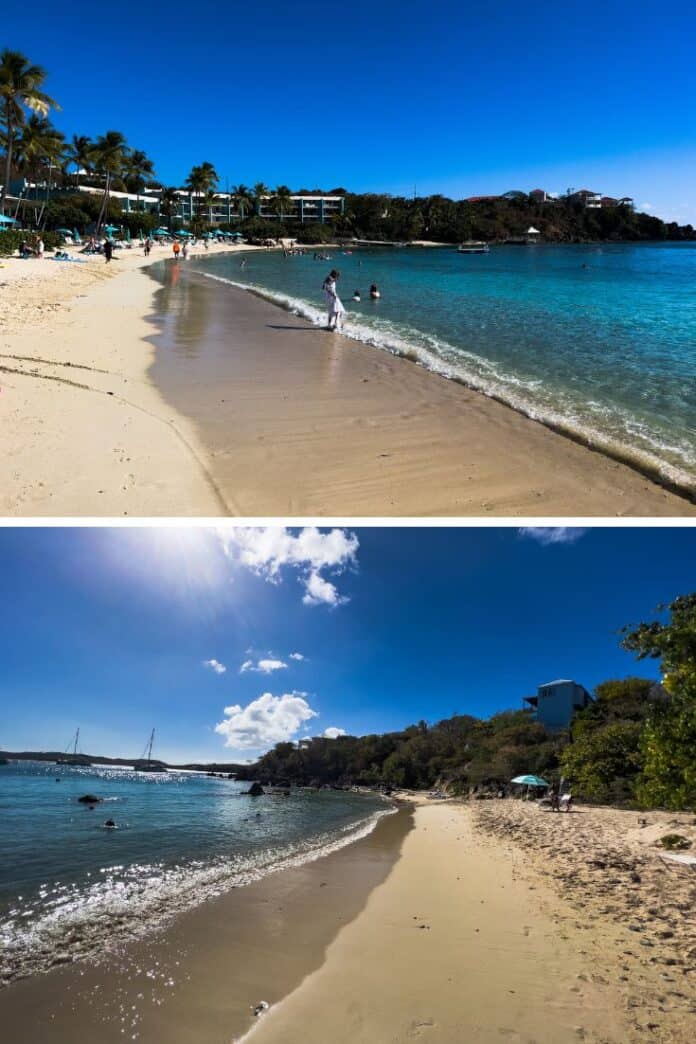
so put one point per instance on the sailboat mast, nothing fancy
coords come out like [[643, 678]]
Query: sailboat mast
[[77, 736], [149, 749]]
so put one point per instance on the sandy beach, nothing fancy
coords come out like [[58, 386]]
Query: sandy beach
[[85, 432], [243, 409], [470, 939], [450, 922]]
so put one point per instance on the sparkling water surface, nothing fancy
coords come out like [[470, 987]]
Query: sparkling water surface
[[599, 340], [66, 881]]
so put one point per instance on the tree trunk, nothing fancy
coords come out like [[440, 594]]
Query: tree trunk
[[105, 200], [8, 158]]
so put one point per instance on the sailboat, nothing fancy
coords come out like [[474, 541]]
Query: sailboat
[[72, 757], [146, 764]]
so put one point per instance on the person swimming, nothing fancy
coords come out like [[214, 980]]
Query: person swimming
[[356, 295], [374, 292], [109, 824]]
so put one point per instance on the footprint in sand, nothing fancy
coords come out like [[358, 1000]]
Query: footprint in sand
[[420, 1026]]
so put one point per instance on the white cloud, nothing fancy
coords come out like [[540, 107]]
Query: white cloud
[[548, 535], [297, 656], [319, 591], [333, 733], [266, 551], [215, 665], [263, 666], [265, 721]]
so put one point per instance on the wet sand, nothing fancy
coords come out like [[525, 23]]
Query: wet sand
[[197, 981], [299, 422]]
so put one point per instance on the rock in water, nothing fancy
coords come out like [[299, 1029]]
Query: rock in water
[[89, 799], [255, 790]]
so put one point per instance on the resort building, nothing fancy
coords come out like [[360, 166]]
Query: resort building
[[556, 702], [224, 210]]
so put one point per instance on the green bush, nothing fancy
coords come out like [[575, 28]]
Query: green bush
[[11, 239], [315, 233]]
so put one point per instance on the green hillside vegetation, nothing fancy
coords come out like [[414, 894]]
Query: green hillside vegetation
[[445, 220], [636, 744]]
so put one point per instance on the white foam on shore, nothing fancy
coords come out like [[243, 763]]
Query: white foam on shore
[[65, 923], [630, 441]]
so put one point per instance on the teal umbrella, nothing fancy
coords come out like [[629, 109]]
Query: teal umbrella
[[7, 220], [64, 231], [111, 228], [530, 781]]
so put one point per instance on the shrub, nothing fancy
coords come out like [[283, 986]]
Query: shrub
[[674, 842], [11, 239]]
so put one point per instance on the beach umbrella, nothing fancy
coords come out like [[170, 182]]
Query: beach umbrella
[[111, 228], [530, 781], [7, 220]]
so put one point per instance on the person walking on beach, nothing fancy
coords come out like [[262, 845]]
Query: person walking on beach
[[335, 305], [148, 246], [108, 250], [40, 248], [185, 251], [176, 248]]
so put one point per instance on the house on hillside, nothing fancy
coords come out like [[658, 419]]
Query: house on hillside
[[556, 702], [588, 198]]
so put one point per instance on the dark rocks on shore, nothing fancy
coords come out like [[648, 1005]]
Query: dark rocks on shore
[[89, 799], [255, 790]]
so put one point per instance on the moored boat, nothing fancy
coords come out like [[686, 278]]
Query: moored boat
[[473, 246], [146, 764]]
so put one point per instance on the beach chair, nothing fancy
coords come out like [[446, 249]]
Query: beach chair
[[675, 860]]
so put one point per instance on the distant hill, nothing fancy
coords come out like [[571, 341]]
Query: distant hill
[[497, 218], [100, 759]]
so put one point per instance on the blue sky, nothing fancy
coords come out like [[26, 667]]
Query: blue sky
[[450, 97], [120, 630]]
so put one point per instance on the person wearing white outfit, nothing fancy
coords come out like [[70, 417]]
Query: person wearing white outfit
[[335, 305]]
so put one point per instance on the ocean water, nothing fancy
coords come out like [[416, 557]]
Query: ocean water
[[69, 887], [598, 340]]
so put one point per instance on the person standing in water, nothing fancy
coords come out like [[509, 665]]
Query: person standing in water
[[108, 250], [335, 305], [176, 247]]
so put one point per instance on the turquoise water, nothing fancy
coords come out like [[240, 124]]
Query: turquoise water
[[597, 340], [68, 885]]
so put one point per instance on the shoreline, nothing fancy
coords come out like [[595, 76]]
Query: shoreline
[[197, 979], [684, 489], [451, 920], [300, 423], [264, 423]]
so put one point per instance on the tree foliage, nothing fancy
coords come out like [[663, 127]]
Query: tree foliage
[[668, 742]]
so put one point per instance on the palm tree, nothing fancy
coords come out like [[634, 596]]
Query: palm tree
[[261, 192], [110, 156], [169, 203], [20, 89], [241, 199], [282, 201], [39, 146], [196, 183], [138, 167], [80, 153], [209, 203]]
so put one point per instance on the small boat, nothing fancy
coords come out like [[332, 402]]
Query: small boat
[[473, 246], [146, 764], [74, 758]]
